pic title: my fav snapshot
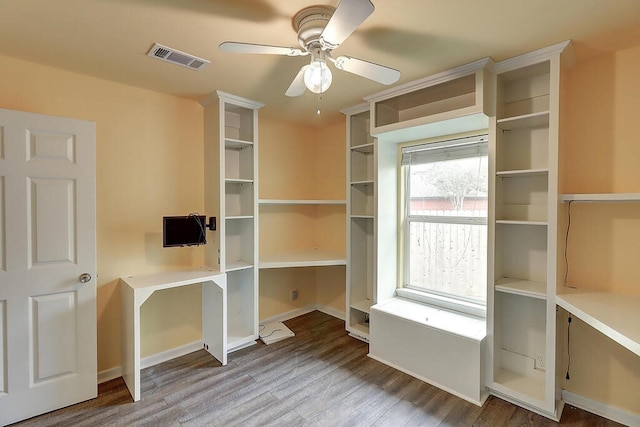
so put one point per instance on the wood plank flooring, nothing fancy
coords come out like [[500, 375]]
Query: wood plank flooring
[[320, 377]]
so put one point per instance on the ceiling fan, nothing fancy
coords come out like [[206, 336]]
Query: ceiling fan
[[321, 29]]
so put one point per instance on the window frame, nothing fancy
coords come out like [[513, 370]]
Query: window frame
[[449, 301]]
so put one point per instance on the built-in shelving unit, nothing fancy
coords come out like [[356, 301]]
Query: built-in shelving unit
[[450, 102], [523, 231], [615, 315], [231, 189], [361, 218]]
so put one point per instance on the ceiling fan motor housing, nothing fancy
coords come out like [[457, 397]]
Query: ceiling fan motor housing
[[309, 24]]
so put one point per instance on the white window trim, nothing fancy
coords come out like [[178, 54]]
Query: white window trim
[[461, 305]]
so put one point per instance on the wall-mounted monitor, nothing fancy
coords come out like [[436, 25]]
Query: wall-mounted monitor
[[187, 230]]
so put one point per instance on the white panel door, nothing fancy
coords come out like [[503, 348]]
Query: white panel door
[[47, 243]]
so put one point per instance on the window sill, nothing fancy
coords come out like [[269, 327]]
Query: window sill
[[453, 323], [450, 304]]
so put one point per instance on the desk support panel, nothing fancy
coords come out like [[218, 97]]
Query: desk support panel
[[135, 290]]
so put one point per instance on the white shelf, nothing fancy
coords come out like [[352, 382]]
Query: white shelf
[[522, 172], [365, 182], [601, 197], [363, 305], [525, 288], [364, 148], [521, 222], [305, 258], [361, 329], [525, 121], [236, 143], [236, 340], [238, 181], [238, 265], [615, 315], [232, 217], [529, 389], [362, 217], [301, 202]]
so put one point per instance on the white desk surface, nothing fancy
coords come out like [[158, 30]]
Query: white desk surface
[[170, 279], [615, 315]]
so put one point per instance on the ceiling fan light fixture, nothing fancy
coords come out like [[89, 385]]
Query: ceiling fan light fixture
[[317, 77]]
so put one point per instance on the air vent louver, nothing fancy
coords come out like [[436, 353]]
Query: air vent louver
[[174, 56]]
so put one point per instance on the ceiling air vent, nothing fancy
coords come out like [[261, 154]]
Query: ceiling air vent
[[174, 56]]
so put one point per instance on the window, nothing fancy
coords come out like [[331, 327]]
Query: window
[[445, 221]]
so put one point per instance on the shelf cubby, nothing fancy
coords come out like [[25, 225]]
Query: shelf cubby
[[239, 163], [359, 130], [523, 93], [444, 97], [526, 148], [362, 198], [520, 337], [362, 165], [239, 198], [239, 244], [238, 123], [240, 314], [449, 102], [521, 252], [362, 267], [522, 196]]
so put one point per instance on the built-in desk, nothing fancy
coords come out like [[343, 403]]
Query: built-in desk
[[135, 290]]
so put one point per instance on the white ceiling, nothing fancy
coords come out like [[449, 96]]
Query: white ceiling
[[109, 39]]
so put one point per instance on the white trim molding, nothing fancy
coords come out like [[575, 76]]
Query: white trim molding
[[602, 409]]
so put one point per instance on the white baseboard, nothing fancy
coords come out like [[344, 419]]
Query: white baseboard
[[154, 359], [602, 409], [331, 311], [282, 317], [289, 314], [109, 374]]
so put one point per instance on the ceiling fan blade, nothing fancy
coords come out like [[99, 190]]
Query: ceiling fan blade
[[369, 70], [347, 17], [297, 86], [238, 47]]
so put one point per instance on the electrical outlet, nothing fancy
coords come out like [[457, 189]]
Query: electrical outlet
[[294, 295], [540, 362]]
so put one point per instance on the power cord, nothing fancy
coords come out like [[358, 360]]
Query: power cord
[[203, 234], [566, 245], [267, 336], [568, 377]]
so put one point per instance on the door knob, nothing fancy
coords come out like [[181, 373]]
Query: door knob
[[85, 277]]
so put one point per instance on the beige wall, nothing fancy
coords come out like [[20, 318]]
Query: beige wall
[[600, 154], [149, 164]]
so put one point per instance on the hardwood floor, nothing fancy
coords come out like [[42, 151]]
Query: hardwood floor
[[320, 377]]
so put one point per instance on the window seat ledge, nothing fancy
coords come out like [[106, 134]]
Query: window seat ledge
[[457, 324]]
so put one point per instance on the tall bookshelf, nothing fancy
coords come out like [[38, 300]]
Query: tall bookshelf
[[361, 216], [231, 189], [523, 231]]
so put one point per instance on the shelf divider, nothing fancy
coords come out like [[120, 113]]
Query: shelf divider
[[601, 197]]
